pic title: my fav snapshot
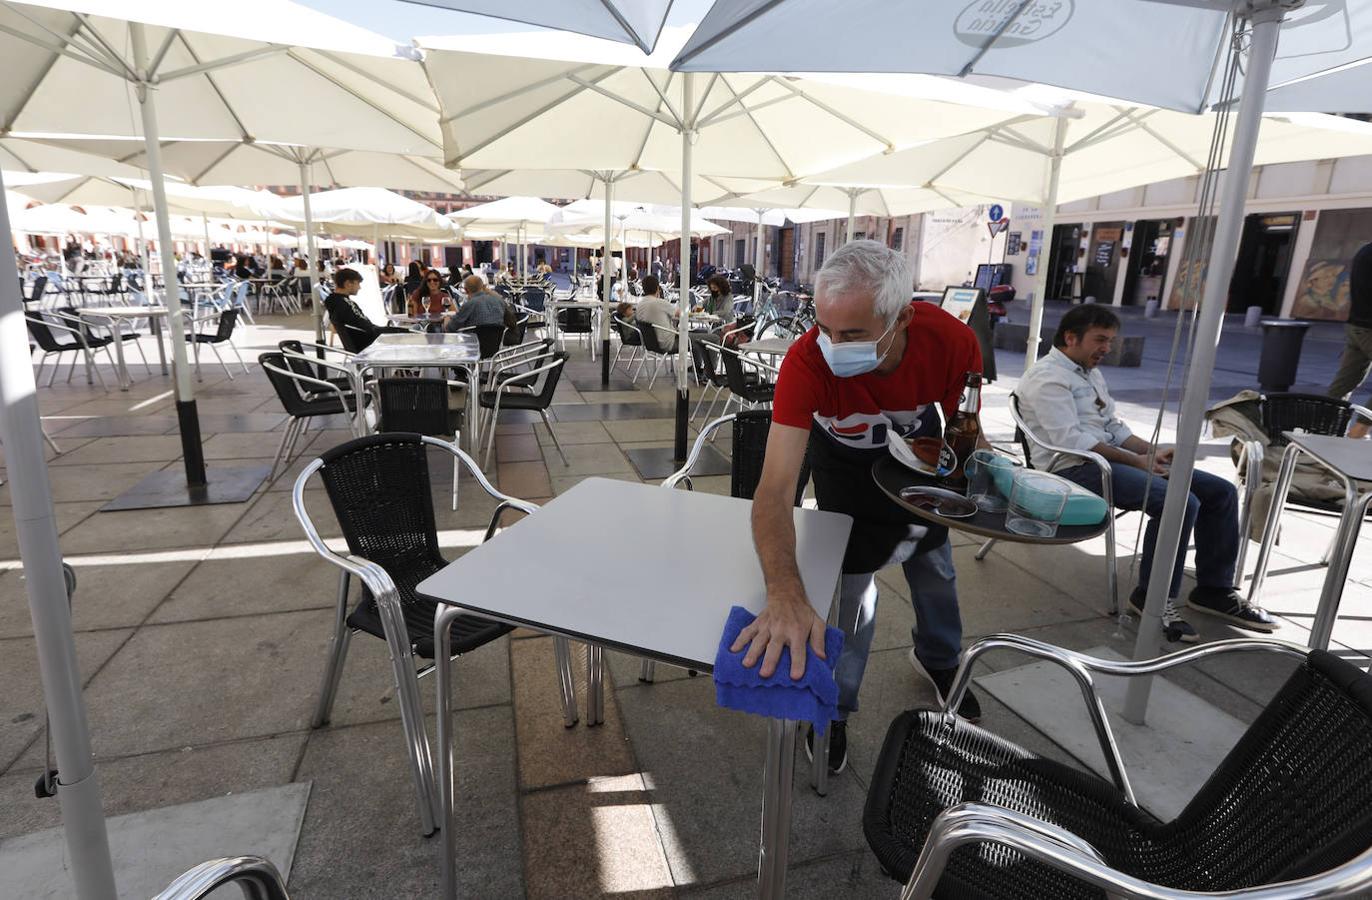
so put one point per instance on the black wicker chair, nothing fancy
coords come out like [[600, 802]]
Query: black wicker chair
[[574, 320], [653, 337], [295, 350], [379, 488], [222, 334], [1292, 800], [45, 331], [303, 397], [532, 389], [746, 392], [630, 339], [420, 406], [749, 445]]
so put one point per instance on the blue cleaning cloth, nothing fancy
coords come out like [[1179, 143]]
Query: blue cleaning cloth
[[814, 698]]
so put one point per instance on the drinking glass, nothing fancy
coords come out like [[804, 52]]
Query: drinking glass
[[1036, 504], [982, 487]]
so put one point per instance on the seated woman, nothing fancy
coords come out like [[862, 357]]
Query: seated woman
[[387, 276], [431, 298], [721, 299]]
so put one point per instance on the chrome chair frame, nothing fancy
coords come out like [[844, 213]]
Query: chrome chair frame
[[1106, 491], [523, 380], [56, 320], [383, 589], [632, 348], [746, 359], [258, 878], [193, 321], [657, 356], [971, 823], [299, 425]]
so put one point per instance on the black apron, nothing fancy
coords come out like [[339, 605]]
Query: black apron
[[883, 532]]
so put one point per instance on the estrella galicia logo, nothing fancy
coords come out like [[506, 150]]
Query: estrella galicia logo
[[980, 20]]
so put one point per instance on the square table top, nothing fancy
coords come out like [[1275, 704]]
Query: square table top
[[610, 562], [420, 349], [1351, 457]]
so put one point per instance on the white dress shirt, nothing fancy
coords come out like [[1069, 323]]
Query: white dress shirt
[[1068, 406]]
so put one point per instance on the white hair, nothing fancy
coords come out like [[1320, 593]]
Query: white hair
[[869, 266]]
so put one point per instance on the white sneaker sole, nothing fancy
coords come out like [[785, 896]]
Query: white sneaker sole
[[810, 756]]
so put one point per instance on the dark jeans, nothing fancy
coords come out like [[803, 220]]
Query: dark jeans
[[1211, 509]]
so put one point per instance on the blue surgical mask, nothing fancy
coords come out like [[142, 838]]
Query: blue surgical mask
[[852, 358]]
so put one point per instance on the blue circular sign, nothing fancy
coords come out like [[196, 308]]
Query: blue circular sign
[[996, 213]]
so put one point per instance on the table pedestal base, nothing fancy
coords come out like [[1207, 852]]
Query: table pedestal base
[[168, 488], [659, 462]]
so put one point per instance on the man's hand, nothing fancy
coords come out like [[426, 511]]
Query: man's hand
[[787, 621], [1164, 455], [1158, 468]]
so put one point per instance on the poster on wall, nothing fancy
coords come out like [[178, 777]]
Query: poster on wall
[[1012, 243], [1323, 292], [1031, 265], [1105, 252]]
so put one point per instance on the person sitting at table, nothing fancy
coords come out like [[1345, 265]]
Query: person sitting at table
[[431, 298], [355, 330], [875, 365], [721, 299], [241, 270], [1065, 402], [483, 306], [653, 309], [414, 278], [387, 276]]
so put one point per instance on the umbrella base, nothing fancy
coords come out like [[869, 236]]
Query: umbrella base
[[168, 488], [659, 462]]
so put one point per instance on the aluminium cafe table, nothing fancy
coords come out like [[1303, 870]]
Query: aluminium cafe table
[[154, 315], [1351, 462], [424, 350], [554, 572]]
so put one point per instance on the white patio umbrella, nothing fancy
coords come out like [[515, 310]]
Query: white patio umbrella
[[508, 214], [761, 217], [1210, 48], [613, 112], [62, 218], [362, 212], [629, 21]]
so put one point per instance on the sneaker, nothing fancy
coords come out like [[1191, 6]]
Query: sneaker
[[1174, 627], [1229, 605], [838, 746], [942, 680]]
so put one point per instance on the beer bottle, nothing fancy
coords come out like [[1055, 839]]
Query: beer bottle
[[964, 430]]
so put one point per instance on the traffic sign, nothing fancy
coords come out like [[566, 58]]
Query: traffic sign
[[996, 213]]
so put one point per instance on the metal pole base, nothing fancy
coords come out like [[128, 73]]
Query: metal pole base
[[192, 453]]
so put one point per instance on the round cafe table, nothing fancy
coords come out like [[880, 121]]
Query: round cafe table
[[892, 477]]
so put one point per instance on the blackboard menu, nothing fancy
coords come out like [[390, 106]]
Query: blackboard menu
[[1105, 251]]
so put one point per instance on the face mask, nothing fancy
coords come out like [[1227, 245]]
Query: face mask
[[852, 358]]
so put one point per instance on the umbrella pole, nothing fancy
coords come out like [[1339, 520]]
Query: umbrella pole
[[310, 256], [1266, 22], [1046, 218], [683, 340], [205, 222], [852, 213], [606, 307], [759, 254], [186, 414], [21, 430]]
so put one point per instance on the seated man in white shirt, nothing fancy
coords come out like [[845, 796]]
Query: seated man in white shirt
[[653, 309], [1065, 402]]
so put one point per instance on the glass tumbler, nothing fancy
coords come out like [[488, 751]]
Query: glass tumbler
[[1036, 504], [982, 486]]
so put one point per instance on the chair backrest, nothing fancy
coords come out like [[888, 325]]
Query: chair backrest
[[227, 319], [751, 428], [1294, 796], [534, 298], [379, 488], [734, 376], [349, 339], [488, 337], [299, 366], [418, 405], [39, 285], [629, 335], [546, 386], [43, 336], [574, 320], [290, 392], [652, 338], [1311, 413]]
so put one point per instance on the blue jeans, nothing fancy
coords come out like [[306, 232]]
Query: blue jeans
[[937, 632], [1212, 509]]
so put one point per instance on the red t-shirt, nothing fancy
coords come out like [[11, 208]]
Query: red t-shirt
[[859, 412]]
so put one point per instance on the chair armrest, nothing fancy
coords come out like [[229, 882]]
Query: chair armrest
[[49, 323], [684, 473], [258, 878], [523, 377], [1080, 666], [1091, 456], [507, 502], [976, 823], [1361, 412], [322, 363]]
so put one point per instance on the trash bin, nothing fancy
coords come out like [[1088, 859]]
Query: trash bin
[[1281, 353]]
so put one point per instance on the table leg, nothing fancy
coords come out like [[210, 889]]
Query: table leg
[[473, 410], [819, 763], [359, 426], [777, 775], [1345, 539], [123, 373], [1280, 489], [443, 665], [595, 684], [157, 333]]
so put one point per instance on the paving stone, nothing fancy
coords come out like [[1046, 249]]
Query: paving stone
[[518, 448], [107, 596], [850, 875], [271, 517], [361, 832], [21, 702], [91, 482], [642, 430], [235, 586], [573, 433], [69, 515], [122, 450], [525, 479], [591, 459], [155, 529], [148, 781], [593, 839], [549, 753]]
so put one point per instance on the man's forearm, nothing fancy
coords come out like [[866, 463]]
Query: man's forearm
[[1116, 454], [774, 536], [1136, 444]]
